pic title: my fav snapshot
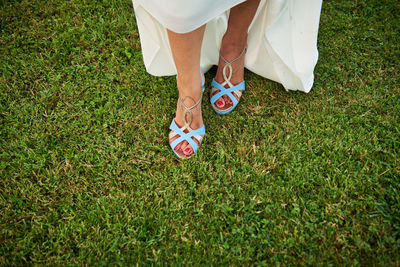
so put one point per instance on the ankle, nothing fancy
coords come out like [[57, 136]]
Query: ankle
[[189, 90], [188, 80], [233, 44]]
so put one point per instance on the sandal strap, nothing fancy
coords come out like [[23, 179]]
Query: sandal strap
[[187, 136], [228, 66], [227, 91], [188, 111]]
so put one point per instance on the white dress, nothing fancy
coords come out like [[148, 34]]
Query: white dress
[[281, 45]]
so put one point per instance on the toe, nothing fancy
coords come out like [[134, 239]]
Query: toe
[[228, 100], [220, 103], [184, 145], [188, 150], [176, 148]]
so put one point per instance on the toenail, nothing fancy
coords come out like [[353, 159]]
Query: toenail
[[220, 103], [188, 150]]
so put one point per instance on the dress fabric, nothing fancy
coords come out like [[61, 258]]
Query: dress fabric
[[281, 45]]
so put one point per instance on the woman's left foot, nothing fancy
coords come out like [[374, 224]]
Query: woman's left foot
[[231, 63]]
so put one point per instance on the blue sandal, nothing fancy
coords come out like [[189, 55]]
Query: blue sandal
[[198, 134], [227, 91]]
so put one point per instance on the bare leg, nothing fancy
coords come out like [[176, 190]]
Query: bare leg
[[186, 50], [233, 43]]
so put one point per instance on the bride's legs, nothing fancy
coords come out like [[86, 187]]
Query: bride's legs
[[233, 43], [186, 50]]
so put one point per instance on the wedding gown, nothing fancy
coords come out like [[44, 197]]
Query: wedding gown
[[281, 45]]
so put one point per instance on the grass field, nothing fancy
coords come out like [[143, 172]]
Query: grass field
[[88, 178]]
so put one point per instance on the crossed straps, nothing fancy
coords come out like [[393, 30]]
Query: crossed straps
[[187, 111], [229, 66]]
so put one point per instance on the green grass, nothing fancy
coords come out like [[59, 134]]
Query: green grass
[[88, 178]]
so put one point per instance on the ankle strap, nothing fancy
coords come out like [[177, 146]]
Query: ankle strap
[[236, 59]]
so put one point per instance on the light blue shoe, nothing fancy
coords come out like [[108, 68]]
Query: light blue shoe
[[227, 91], [198, 134]]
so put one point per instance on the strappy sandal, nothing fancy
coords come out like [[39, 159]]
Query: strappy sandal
[[198, 134], [227, 91]]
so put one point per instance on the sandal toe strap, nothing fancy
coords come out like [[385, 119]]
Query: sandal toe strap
[[227, 91], [187, 136]]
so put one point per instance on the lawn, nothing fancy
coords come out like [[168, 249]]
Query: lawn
[[288, 178]]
